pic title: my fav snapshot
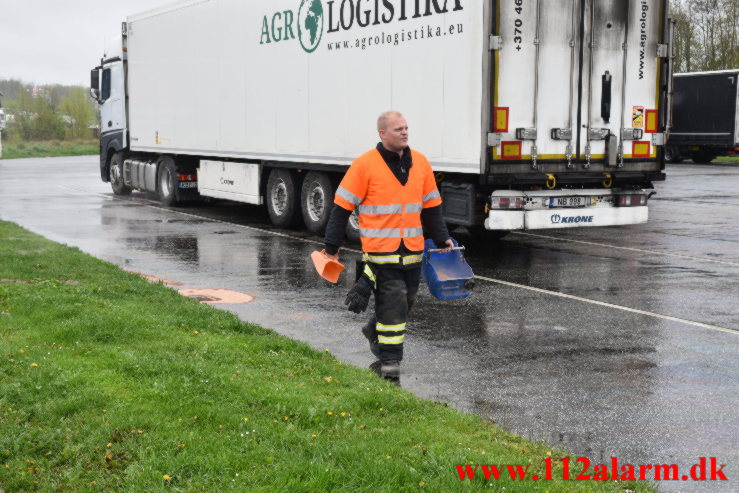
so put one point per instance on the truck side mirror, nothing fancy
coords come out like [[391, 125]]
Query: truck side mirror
[[95, 84]]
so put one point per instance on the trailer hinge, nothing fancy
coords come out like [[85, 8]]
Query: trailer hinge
[[658, 139], [631, 133], [598, 133], [561, 134], [663, 51], [493, 140], [496, 43], [526, 133]]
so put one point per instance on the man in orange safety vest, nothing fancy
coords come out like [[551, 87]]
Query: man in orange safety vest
[[394, 191]]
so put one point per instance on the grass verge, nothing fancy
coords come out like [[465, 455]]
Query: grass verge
[[111, 383], [51, 148]]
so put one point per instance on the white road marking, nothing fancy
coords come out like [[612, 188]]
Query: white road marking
[[488, 279], [611, 305], [639, 250]]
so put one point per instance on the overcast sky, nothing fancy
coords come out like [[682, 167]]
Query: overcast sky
[[59, 41]]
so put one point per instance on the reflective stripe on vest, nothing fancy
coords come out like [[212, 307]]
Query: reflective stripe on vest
[[381, 209], [391, 232], [348, 196], [380, 233], [431, 196]]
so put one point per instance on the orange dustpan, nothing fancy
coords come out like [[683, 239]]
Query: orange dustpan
[[327, 268]]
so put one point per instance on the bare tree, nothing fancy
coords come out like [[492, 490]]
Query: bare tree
[[706, 35]]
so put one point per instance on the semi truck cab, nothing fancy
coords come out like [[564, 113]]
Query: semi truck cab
[[108, 88]]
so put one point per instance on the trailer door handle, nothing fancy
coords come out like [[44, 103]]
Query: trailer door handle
[[605, 97]]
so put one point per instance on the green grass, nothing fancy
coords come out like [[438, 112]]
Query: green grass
[[52, 148], [110, 383]]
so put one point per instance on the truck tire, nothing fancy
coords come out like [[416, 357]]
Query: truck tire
[[282, 198], [316, 201], [672, 155], [167, 182], [352, 228], [703, 156], [115, 174]]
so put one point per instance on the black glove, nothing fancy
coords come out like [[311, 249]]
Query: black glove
[[358, 297]]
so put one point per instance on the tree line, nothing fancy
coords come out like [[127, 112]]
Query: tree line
[[706, 34], [49, 112]]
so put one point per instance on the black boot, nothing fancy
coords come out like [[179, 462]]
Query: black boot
[[371, 334], [390, 370]]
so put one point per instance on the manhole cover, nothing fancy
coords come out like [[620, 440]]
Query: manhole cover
[[217, 296]]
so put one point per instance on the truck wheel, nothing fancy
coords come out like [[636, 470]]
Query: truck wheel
[[672, 155], [702, 156], [316, 201], [282, 198], [352, 228], [167, 182], [115, 174]]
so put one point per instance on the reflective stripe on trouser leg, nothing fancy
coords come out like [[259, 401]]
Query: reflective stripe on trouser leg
[[390, 334], [395, 293]]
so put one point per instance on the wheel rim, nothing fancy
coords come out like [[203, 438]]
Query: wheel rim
[[165, 184], [279, 197], [115, 173], [316, 202], [354, 220]]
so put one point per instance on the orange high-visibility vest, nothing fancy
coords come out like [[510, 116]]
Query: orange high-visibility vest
[[388, 211]]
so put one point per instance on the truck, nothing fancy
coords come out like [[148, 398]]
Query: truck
[[705, 116], [2, 113], [2, 123], [534, 115]]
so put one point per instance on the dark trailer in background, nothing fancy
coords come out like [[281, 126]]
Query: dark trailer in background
[[705, 116]]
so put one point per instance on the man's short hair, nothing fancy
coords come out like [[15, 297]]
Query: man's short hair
[[385, 117]]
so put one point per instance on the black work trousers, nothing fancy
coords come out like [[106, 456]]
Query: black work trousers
[[394, 296]]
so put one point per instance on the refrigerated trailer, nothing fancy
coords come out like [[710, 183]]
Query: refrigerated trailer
[[533, 114], [705, 116]]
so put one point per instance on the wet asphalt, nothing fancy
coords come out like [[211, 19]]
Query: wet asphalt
[[608, 342]]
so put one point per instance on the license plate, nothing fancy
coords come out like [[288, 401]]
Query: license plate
[[568, 201], [188, 184]]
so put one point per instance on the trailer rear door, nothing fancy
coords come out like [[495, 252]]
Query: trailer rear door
[[571, 80]]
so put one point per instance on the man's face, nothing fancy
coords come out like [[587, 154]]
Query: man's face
[[395, 135]]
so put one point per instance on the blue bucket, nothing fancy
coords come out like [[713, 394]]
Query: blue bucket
[[447, 274]]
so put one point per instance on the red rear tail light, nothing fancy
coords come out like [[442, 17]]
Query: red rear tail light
[[634, 200], [187, 178], [506, 203]]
